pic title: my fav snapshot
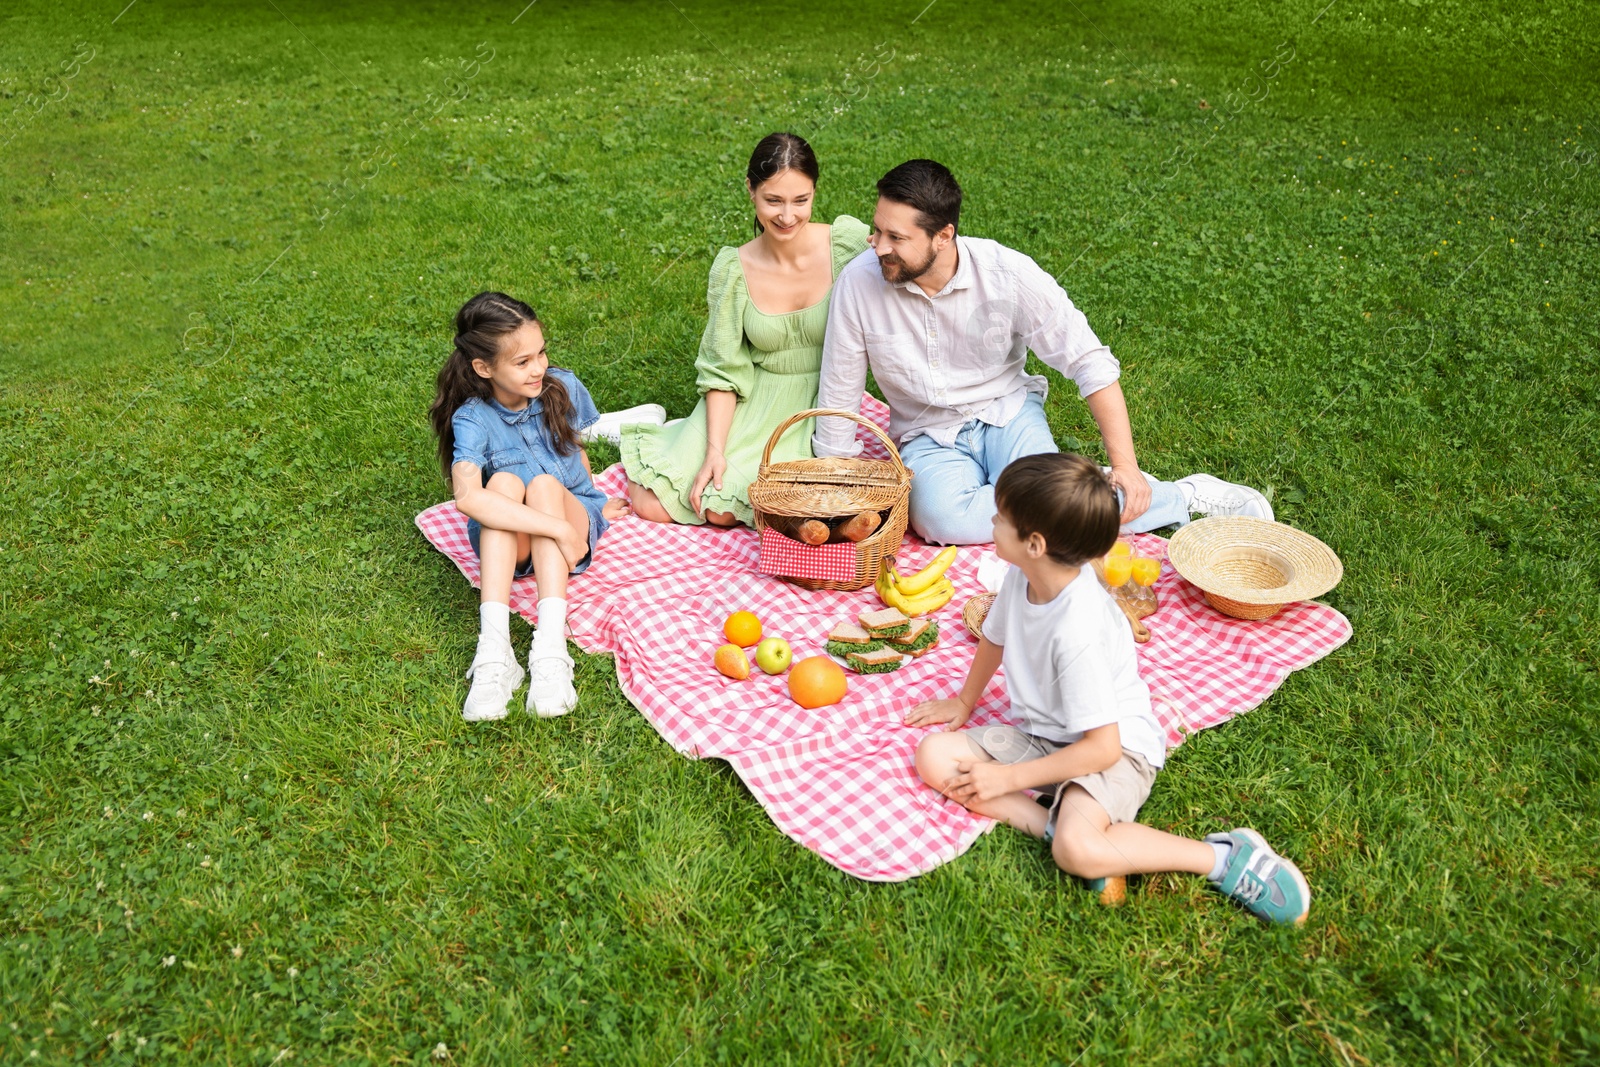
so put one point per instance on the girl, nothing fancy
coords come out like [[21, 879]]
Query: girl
[[508, 426]]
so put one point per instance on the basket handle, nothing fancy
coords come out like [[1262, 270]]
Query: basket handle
[[813, 413]]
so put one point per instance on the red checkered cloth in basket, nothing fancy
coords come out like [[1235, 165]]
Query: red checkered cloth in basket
[[785, 557], [840, 780]]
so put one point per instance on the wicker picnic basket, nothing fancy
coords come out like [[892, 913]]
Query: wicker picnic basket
[[825, 487]]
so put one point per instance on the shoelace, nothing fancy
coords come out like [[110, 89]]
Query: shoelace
[[548, 668], [1258, 884], [1211, 505]]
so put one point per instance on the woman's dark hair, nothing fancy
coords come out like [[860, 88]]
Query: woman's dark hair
[[927, 186], [480, 325], [1064, 497], [776, 153]]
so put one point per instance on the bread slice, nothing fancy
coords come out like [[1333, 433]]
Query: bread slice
[[878, 661], [920, 638], [915, 629], [888, 622], [849, 633]]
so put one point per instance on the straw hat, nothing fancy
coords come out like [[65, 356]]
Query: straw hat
[[1250, 568]]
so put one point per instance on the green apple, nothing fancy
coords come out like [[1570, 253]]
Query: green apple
[[773, 655]]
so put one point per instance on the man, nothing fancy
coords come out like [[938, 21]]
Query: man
[[945, 322]]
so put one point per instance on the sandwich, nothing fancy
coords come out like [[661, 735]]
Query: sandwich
[[921, 638], [889, 622], [878, 661], [847, 637]]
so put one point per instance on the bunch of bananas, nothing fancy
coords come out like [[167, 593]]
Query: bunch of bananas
[[916, 594]]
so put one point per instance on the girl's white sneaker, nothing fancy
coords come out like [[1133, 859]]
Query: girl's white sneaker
[[495, 675], [550, 691], [609, 425]]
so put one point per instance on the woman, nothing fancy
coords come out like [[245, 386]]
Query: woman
[[761, 353]]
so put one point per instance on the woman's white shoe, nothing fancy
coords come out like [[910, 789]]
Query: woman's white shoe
[[550, 691], [609, 425]]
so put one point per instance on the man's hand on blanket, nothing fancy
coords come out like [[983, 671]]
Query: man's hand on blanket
[[979, 780], [950, 710]]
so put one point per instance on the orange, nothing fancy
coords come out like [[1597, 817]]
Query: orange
[[1146, 570], [730, 660], [1117, 570], [817, 682], [1121, 548], [743, 629]]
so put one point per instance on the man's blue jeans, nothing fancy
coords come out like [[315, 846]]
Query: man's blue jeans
[[952, 495]]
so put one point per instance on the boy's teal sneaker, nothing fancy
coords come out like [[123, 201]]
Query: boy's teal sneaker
[[1269, 886]]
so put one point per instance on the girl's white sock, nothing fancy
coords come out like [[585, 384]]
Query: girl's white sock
[[494, 624], [550, 637]]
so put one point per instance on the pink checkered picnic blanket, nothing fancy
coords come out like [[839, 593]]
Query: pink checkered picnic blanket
[[840, 780]]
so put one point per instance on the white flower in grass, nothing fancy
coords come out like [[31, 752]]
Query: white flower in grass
[[147, 816], [142, 1042], [127, 913], [168, 961], [294, 972], [174, 614], [206, 862], [149, 692], [238, 952], [108, 813], [441, 1051]]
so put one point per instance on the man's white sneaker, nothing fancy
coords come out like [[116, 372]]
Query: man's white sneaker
[[1209, 496], [609, 425], [495, 675], [550, 691]]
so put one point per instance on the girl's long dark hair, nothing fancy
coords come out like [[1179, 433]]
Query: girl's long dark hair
[[778, 152], [480, 325]]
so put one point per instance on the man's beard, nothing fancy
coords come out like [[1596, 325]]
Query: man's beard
[[899, 272]]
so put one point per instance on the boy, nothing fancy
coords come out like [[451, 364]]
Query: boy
[[1085, 715]]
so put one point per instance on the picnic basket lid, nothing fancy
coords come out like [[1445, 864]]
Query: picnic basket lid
[[827, 486], [1249, 561]]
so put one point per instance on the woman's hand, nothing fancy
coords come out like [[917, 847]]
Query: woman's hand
[[1135, 491], [979, 780], [615, 508], [949, 710], [711, 472]]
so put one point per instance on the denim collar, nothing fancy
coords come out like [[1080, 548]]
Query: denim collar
[[515, 418]]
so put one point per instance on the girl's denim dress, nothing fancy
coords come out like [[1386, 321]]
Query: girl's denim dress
[[518, 442]]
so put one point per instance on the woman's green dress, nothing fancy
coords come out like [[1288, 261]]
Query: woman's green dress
[[771, 362]]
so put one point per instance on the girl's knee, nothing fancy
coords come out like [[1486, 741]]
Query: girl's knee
[[545, 491], [507, 485]]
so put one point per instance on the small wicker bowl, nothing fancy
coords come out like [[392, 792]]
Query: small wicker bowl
[[1251, 568], [975, 611]]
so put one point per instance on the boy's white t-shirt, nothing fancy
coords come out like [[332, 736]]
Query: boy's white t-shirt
[[1070, 665]]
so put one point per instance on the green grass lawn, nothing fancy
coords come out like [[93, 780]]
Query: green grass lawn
[[246, 823]]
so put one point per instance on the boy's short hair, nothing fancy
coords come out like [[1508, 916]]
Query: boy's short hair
[[1064, 497]]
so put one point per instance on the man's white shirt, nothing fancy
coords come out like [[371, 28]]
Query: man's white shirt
[[956, 356]]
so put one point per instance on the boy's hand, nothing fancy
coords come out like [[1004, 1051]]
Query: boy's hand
[[979, 780], [949, 710]]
